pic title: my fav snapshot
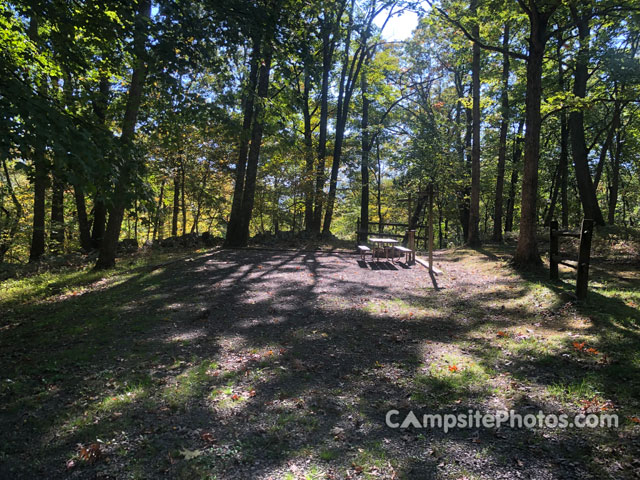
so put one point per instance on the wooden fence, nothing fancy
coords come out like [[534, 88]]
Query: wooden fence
[[584, 254]]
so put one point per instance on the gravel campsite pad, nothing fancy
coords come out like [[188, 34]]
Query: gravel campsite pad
[[265, 364]]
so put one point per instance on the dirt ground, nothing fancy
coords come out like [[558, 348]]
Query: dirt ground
[[258, 364]]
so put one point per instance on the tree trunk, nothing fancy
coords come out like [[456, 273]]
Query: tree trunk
[[502, 149], [615, 177], [576, 125], [176, 205], [84, 228], [308, 152], [364, 164], [158, 210], [328, 46], [196, 220], [12, 223], [57, 216], [99, 207], [234, 227], [379, 187], [40, 178], [513, 185], [254, 149], [527, 250], [461, 145], [108, 249], [564, 146], [348, 82], [99, 222], [473, 239], [184, 203], [551, 207], [465, 210]]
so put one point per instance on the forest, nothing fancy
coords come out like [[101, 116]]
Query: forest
[[149, 120]]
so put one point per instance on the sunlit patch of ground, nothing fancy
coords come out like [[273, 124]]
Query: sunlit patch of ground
[[282, 364]]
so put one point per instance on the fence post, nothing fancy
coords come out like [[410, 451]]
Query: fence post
[[358, 231], [553, 250], [430, 234], [584, 257], [411, 244]]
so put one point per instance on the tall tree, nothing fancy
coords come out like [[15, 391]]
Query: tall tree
[[40, 176], [473, 239], [502, 146], [579, 149], [128, 167], [539, 13]]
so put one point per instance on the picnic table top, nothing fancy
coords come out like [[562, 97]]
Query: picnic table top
[[383, 240]]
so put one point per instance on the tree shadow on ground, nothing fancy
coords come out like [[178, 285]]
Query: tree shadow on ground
[[282, 358]]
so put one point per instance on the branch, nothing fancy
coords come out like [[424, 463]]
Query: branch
[[483, 45]]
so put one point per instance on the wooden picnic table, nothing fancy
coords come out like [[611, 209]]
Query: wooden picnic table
[[385, 243]]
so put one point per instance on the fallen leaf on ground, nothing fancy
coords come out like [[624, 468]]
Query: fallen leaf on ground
[[190, 454]]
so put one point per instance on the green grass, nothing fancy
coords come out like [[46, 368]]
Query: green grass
[[90, 355]]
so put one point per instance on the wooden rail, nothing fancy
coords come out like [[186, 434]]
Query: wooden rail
[[584, 254]]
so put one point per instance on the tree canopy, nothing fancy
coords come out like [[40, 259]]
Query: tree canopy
[[146, 120]]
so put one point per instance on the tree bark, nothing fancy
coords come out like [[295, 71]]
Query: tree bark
[[234, 227], [57, 215], [576, 124], [513, 185], [615, 176], [328, 47], [254, 149], [379, 187], [182, 198], [308, 152], [176, 205], [564, 146], [108, 248], [527, 250], [348, 80], [502, 149], [473, 240], [40, 178], [84, 227], [99, 207], [158, 210], [13, 223], [364, 164]]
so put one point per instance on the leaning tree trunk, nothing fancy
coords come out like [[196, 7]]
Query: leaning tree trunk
[[14, 222]]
